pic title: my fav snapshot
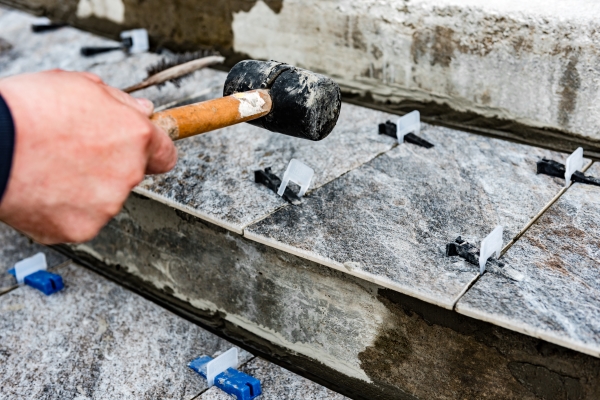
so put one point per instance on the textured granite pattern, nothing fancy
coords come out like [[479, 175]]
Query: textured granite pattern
[[552, 287], [60, 49], [277, 384], [97, 340], [214, 178], [15, 247], [389, 221]]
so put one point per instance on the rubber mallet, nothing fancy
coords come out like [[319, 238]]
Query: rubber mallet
[[268, 94]]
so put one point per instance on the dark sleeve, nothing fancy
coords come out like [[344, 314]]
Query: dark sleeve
[[7, 144]]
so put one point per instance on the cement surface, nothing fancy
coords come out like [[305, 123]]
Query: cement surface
[[389, 221], [550, 285], [292, 302], [531, 62]]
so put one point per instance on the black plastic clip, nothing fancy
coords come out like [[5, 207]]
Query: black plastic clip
[[390, 129], [272, 181], [38, 28], [556, 169], [88, 51], [463, 249]]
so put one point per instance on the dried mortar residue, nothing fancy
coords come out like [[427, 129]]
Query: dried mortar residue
[[457, 357]]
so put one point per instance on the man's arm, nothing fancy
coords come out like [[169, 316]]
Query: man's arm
[[7, 145], [78, 148]]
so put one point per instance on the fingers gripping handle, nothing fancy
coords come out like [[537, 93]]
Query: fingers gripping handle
[[194, 119]]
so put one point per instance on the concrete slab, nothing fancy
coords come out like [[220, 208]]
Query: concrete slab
[[389, 221], [214, 177], [533, 62], [97, 340], [277, 384], [550, 285]]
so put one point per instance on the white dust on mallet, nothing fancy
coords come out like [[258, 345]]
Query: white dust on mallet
[[250, 104]]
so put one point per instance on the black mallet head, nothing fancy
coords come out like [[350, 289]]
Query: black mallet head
[[305, 104]]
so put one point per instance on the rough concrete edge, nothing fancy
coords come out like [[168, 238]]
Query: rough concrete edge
[[215, 323], [503, 322], [204, 216], [340, 267]]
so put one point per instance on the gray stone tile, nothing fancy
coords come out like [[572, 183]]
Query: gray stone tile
[[389, 220], [550, 285], [56, 49], [277, 384], [214, 178], [15, 247], [594, 170], [60, 49], [96, 340]]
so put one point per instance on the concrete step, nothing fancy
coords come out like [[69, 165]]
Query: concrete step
[[523, 69], [97, 340], [351, 288]]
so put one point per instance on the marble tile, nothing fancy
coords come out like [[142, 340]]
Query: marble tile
[[15, 247], [389, 220], [214, 178], [277, 384], [550, 285], [96, 340]]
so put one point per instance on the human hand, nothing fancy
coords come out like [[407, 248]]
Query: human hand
[[80, 147]]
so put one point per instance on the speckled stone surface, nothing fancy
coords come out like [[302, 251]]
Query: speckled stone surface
[[277, 384], [389, 220], [550, 286], [97, 340], [15, 247], [214, 178]]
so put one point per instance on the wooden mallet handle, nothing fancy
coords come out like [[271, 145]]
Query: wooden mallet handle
[[194, 119]]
